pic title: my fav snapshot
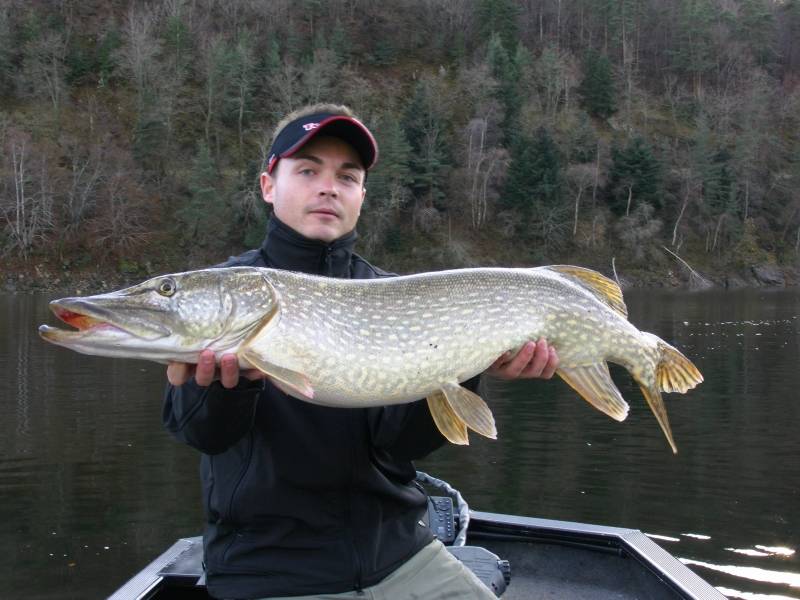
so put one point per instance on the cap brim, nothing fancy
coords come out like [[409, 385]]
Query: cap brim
[[345, 128]]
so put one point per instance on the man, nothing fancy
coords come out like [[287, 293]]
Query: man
[[306, 500]]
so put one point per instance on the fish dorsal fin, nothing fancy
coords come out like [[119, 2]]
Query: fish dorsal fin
[[594, 384], [606, 290]]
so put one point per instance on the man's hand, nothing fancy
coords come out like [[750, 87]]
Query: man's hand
[[206, 371], [535, 360]]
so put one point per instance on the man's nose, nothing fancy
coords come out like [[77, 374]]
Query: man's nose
[[328, 185]]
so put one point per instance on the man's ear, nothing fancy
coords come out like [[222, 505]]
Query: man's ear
[[267, 187]]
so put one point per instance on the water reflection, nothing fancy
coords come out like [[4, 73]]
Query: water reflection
[[750, 573], [92, 488]]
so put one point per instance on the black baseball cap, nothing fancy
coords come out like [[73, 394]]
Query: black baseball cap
[[299, 132]]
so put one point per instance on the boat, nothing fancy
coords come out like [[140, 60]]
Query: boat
[[518, 557]]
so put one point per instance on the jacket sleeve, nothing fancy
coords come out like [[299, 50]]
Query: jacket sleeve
[[211, 418], [407, 431]]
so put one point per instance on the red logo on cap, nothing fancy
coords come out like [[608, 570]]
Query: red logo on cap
[[310, 126]]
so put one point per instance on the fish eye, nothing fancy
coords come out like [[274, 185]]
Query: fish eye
[[167, 287]]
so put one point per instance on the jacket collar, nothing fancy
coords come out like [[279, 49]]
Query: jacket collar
[[285, 248]]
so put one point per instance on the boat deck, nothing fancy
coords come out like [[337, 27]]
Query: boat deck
[[549, 560]]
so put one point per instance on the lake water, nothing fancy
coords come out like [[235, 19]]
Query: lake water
[[92, 488]]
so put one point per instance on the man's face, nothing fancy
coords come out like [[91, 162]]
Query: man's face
[[318, 192]]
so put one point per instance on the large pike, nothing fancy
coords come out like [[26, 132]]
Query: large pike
[[358, 343]]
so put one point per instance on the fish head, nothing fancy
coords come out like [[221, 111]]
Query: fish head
[[167, 318]]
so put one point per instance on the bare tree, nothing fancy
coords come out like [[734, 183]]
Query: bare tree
[[580, 177], [42, 73], [285, 87], [243, 83], [138, 55], [638, 228], [317, 78], [28, 212], [121, 223], [85, 171], [485, 166], [214, 67]]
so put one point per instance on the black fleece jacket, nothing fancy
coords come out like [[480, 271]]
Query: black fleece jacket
[[303, 499]]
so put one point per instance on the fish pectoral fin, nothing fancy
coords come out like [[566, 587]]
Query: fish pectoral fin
[[288, 381], [471, 409], [594, 384], [656, 403], [607, 290], [450, 425]]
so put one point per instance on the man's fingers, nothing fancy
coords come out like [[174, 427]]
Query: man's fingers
[[204, 374], [552, 364], [516, 365], [178, 373], [229, 370], [538, 361], [535, 360]]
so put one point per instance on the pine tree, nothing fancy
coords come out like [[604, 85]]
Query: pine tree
[[535, 173], [205, 217], [150, 137], [426, 131], [597, 87], [693, 50], [755, 26], [499, 17], [506, 72], [635, 176]]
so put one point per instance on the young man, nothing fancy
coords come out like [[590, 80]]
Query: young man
[[305, 500]]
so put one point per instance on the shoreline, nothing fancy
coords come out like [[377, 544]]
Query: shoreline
[[43, 279]]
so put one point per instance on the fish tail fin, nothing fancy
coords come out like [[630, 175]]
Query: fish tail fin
[[653, 396], [675, 372]]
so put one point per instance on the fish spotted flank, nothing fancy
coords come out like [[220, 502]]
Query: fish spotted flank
[[359, 343]]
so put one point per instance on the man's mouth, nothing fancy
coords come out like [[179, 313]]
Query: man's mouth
[[325, 212]]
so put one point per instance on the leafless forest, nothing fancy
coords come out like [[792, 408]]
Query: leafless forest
[[132, 133]]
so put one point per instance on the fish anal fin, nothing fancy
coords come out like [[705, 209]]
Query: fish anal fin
[[288, 381], [594, 384], [604, 288], [471, 408], [450, 425], [656, 403]]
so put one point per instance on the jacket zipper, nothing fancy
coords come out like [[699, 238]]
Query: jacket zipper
[[242, 475], [325, 267], [229, 514], [357, 583]]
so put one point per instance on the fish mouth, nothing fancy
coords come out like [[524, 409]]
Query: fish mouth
[[89, 320]]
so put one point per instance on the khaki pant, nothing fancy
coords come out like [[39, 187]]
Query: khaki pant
[[431, 574]]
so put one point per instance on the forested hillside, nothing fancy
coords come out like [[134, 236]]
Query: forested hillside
[[132, 133]]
